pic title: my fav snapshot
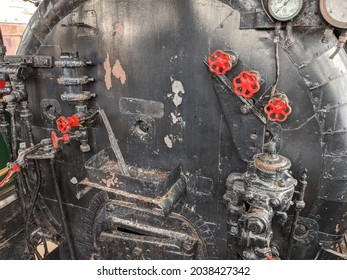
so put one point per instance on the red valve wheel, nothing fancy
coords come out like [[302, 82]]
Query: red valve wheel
[[246, 84], [55, 139], [277, 109], [2, 84], [219, 62], [65, 124]]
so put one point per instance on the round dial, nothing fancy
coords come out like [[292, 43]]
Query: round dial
[[284, 10], [334, 12]]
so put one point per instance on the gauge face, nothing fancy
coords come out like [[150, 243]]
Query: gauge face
[[334, 12], [284, 10]]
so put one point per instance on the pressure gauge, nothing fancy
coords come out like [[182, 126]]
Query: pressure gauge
[[284, 10], [334, 12]]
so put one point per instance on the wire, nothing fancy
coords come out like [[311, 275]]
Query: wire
[[92, 115], [262, 3], [61, 210], [33, 200], [4, 171], [273, 89]]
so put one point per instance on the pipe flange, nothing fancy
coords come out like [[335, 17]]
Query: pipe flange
[[271, 163]]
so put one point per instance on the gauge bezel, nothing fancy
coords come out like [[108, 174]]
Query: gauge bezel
[[272, 13], [329, 19]]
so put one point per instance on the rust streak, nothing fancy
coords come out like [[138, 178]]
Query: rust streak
[[141, 198]]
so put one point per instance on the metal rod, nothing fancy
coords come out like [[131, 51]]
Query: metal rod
[[299, 205], [11, 109], [226, 82], [114, 144], [61, 210]]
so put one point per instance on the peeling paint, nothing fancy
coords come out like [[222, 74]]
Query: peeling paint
[[178, 91], [107, 67], [111, 181], [168, 141], [172, 58], [119, 72], [177, 87], [176, 117], [177, 100], [74, 180], [119, 29]]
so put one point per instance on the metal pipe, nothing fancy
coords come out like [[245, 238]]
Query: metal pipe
[[61, 210], [299, 205], [19, 180], [11, 109], [33, 200]]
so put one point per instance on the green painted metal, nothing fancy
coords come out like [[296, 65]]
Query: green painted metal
[[4, 158]]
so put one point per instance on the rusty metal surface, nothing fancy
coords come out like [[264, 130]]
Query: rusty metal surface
[[12, 35], [168, 111], [269, 163], [151, 236]]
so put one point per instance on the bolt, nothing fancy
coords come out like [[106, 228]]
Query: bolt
[[275, 202], [84, 148], [244, 109], [255, 225]]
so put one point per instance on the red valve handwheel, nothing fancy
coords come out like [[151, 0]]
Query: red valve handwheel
[[219, 62], [55, 139], [2, 84], [246, 84], [277, 109], [65, 124]]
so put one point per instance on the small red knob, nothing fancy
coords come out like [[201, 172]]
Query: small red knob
[[65, 124], [278, 109], [270, 258], [2, 84], [15, 168], [246, 84], [55, 139], [219, 62]]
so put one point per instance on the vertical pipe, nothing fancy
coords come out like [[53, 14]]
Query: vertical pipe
[[61, 210], [299, 205]]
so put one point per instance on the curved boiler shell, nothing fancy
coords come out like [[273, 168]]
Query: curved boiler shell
[[162, 104]]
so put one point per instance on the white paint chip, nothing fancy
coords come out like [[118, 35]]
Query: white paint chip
[[177, 100], [178, 91], [168, 142], [176, 117], [74, 180], [177, 87]]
